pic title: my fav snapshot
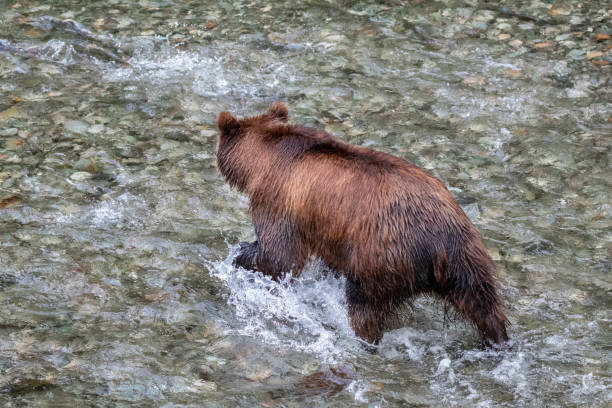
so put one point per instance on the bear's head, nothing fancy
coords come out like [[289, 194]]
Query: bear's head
[[239, 147]]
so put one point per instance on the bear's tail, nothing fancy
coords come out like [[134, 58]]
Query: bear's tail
[[471, 287]]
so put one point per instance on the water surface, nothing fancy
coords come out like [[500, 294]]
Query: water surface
[[117, 232]]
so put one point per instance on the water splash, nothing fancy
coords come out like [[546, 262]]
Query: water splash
[[307, 313]]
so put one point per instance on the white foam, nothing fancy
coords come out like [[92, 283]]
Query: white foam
[[307, 313]]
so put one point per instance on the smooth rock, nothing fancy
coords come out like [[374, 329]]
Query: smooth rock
[[80, 176], [577, 54], [9, 132], [76, 126]]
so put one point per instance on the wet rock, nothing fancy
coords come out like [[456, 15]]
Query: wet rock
[[594, 54], [95, 129], [568, 44], [80, 176], [9, 202], [13, 159], [577, 54], [563, 37], [576, 20], [9, 132], [205, 372], [10, 113], [26, 382], [156, 296], [503, 37], [543, 45], [23, 236], [514, 73], [259, 375], [515, 43], [602, 37], [504, 27], [477, 127], [13, 143], [76, 126], [474, 81], [87, 164], [133, 161], [218, 361], [324, 382], [51, 240], [559, 11], [472, 211], [205, 386]]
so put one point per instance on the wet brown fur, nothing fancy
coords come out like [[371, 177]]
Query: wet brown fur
[[391, 228]]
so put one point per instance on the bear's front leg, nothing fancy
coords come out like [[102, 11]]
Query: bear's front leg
[[247, 255], [279, 248]]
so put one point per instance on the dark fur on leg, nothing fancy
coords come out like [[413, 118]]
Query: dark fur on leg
[[247, 255], [367, 317], [472, 290]]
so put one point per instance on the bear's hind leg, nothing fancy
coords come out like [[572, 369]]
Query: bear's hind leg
[[473, 292], [367, 316]]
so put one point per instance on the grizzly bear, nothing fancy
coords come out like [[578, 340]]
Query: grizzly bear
[[390, 227]]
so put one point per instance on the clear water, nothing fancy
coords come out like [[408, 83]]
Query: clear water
[[116, 231]]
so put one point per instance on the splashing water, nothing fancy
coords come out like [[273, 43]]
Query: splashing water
[[116, 282], [307, 313]]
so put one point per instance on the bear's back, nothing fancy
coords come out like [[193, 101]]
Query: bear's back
[[349, 196]]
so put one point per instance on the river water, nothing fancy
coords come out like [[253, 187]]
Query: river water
[[117, 232]]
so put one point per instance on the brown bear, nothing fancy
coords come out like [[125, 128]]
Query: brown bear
[[390, 227]]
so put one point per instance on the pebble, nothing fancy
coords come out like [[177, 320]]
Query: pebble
[[23, 236], [259, 375], [559, 11], [87, 165], [515, 43], [568, 44], [504, 27], [514, 73], [80, 176], [205, 386], [76, 126], [9, 202], [480, 25], [13, 159], [13, 143], [504, 36], [156, 296], [9, 132], [577, 54], [95, 129], [474, 81], [594, 54], [12, 112], [602, 37], [543, 45]]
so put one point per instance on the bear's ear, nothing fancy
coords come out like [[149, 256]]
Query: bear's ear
[[279, 111], [227, 123]]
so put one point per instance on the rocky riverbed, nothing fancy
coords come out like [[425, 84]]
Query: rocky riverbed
[[116, 231]]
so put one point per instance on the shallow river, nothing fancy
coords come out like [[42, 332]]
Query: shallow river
[[117, 232]]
